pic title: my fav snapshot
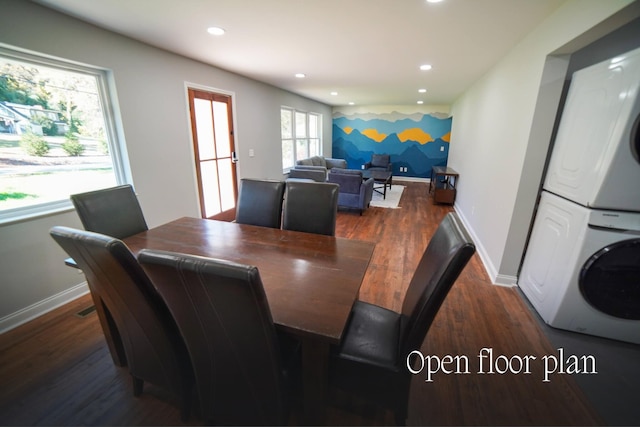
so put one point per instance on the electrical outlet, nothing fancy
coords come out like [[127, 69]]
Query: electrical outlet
[[362, 166], [251, 152], [442, 148]]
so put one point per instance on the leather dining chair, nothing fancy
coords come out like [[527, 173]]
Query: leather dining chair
[[371, 360], [115, 212], [112, 211], [311, 207], [223, 314], [154, 349], [260, 202]]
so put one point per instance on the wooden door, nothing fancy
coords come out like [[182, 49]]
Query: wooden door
[[214, 148]]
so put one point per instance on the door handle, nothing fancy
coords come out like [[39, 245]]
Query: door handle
[[234, 157]]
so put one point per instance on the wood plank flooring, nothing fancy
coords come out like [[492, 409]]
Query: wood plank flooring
[[56, 370]]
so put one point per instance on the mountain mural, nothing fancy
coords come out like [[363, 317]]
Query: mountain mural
[[416, 142]]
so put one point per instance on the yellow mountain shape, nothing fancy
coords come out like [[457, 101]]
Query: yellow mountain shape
[[348, 130], [374, 134], [415, 134], [447, 137]]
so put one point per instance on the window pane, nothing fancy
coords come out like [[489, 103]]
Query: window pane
[[286, 123], [55, 139], [226, 184], [204, 129], [223, 140], [314, 147], [301, 125], [302, 150], [314, 131], [210, 192], [287, 154]]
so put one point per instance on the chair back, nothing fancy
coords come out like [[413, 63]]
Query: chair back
[[349, 180], [311, 207], [260, 203], [112, 211], [380, 161], [222, 311], [445, 257], [154, 349]]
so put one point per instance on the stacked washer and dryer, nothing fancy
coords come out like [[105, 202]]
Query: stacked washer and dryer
[[581, 270]]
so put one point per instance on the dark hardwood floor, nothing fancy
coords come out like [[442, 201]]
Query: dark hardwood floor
[[56, 370]]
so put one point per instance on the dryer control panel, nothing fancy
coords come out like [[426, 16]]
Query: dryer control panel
[[624, 221]]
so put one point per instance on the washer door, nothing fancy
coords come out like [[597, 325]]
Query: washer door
[[610, 280]]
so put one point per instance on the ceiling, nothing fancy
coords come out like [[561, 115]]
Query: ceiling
[[368, 51]]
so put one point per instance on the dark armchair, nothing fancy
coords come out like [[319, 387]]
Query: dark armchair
[[380, 162], [354, 192], [371, 360]]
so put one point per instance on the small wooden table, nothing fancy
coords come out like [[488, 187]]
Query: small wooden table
[[380, 177], [311, 282], [443, 184]]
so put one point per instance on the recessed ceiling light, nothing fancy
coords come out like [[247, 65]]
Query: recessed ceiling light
[[434, 1], [215, 31], [352, 103], [300, 75], [422, 90], [420, 102], [334, 93], [425, 67]]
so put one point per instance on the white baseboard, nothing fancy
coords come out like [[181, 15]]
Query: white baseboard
[[20, 317], [496, 279]]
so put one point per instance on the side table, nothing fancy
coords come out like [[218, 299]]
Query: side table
[[443, 184]]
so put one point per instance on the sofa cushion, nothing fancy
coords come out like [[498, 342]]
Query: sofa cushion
[[318, 161]]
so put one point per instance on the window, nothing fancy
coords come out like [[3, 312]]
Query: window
[[57, 136], [301, 135]]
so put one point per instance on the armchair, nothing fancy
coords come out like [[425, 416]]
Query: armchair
[[380, 162], [353, 192]]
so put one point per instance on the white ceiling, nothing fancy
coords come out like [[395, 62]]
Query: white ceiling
[[369, 51]]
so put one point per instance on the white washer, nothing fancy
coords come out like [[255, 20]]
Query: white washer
[[582, 269], [595, 160]]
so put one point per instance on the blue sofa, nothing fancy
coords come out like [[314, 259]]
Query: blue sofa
[[354, 193]]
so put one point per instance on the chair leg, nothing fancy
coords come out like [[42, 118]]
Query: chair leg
[[138, 385]]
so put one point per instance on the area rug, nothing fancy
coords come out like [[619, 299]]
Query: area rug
[[392, 199]]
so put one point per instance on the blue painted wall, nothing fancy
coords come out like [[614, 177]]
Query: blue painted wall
[[415, 141]]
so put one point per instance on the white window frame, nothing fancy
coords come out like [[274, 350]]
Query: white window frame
[[119, 159], [294, 139]]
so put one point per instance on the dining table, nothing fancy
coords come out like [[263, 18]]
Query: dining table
[[311, 282]]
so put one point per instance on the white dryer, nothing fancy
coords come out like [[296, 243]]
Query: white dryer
[[582, 269], [595, 160]]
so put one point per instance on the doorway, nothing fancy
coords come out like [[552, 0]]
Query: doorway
[[215, 153]]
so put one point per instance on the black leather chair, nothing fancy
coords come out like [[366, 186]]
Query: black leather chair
[[260, 203], [152, 343], [371, 360], [311, 207], [114, 212], [223, 314]]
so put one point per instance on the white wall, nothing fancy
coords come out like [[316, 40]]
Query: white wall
[[501, 133], [150, 87]]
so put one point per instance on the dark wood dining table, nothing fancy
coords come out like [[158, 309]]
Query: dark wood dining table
[[311, 282]]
